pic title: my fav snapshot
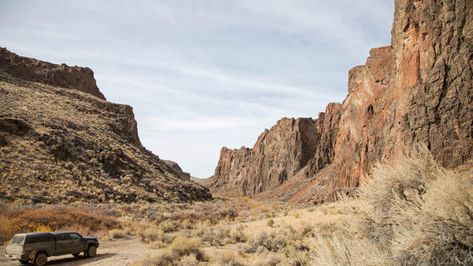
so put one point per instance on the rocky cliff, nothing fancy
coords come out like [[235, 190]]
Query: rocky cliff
[[418, 90], [78, 78], [278, 154], [177, 169], [60, 142]]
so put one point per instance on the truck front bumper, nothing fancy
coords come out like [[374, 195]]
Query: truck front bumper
[[16, 256]]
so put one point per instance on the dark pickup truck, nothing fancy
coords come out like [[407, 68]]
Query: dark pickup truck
[[37, 247]]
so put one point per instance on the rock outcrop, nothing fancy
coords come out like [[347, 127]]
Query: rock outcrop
[[29, 69], [178, 170], [61, 144], [278, 154], [418, 90]]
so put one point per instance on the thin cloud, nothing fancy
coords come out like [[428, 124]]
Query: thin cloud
[[204, 74]]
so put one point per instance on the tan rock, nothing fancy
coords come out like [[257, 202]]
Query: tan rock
[[79, 78]]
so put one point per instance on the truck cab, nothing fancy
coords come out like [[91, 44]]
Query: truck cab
[[37, 247]]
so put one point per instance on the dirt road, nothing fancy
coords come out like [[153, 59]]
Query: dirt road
[[118, 252]]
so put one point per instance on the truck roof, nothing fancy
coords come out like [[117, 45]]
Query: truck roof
[[63, 232], [47, 233]]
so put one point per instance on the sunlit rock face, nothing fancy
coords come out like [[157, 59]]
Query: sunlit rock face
[[418, 90]]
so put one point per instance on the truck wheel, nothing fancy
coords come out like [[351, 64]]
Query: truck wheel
[[91, 251], [40, 259]]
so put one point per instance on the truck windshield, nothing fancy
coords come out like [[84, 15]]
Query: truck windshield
[[18, 240]]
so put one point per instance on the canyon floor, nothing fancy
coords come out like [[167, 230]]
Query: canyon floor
[[412, 211], [129, 249], [127, 246]]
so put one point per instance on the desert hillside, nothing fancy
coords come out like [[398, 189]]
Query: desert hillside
[[417, 90], [61, 141]]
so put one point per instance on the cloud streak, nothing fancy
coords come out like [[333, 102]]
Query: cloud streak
[[204, 74]]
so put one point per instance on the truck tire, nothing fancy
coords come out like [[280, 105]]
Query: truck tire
[[91, 251], [40, 259]]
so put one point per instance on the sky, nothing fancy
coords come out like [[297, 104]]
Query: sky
[[199, 74]]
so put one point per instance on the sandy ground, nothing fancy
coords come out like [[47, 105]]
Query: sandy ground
[[119, 252], [127, 250]]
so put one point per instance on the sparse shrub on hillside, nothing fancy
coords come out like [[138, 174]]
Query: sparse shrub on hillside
[[414, 212], [237, 234], [295, 244], [267, 241], [163, 258], [229, 258], [116, 234], [216, 236], [43, 228], [184, 246], [182, 251], [152, 234], [7, 228], [169, 226], [269, 260], [189, 260]]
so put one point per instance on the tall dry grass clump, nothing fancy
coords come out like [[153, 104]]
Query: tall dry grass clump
[[17, 220], [412, 212], [182, 251]]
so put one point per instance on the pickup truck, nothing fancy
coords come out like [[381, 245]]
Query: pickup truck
[[37, 247]]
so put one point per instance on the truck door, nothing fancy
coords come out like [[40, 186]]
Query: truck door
[[63, 244], [76, 243]]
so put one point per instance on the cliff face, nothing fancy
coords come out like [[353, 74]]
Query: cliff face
[[62, 144], [417, 90], [177, 169], [440, 102], [278, 154], [29, 69]]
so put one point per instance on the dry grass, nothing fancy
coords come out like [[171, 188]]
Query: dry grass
[[117, 234], [413, 212], [65, 146], [16, 220], [229, 258], [182, 251]]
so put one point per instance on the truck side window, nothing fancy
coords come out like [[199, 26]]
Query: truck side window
[[64, 237], [75, 236]]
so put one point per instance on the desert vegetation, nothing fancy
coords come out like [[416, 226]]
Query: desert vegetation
[[16, 219], [409, 212]]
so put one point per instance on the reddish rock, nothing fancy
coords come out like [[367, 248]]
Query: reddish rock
[[278, 154], [418, 90]]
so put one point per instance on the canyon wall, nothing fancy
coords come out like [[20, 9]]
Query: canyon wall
[[418, 90], [61, 142]]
